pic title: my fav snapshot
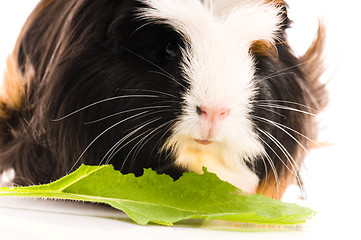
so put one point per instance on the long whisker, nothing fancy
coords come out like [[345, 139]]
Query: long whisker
[[102, 133], [272, 165], [102, 101], [280, 146], [115, 149], [151, 91], [140, 27], [291, 160], [286, 108], [137, 147], [111, 151], [287, 102], [270, 110], [281, 73], [264, 162], [126, 111], [279, 126], [151, 113], [291, 129], [155, 65], [171, 78], [288, 156], [143, 141], [283, 70], [170, 122], [275, 124]]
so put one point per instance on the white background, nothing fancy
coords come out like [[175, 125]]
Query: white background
[[332, 176]]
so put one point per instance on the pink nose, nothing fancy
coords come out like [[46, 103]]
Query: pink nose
[[212, 114]]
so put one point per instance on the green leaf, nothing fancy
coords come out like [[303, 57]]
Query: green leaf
[[159, 199]]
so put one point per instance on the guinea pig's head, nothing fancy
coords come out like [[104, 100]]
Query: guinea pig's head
[[214, 128], [175, 84], [212, 50]]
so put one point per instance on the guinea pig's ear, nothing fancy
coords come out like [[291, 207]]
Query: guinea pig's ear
[[269, 48], [263, 48]]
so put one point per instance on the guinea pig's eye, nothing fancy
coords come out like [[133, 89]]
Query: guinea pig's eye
[[172, 48]]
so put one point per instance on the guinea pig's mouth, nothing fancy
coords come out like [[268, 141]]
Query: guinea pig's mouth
[[203, 141]]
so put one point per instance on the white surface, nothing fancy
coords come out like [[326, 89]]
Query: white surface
[[332, 177]]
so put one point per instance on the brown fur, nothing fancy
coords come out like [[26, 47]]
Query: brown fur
[[263, 48], [14, 81], [313, 67], [13, 89]]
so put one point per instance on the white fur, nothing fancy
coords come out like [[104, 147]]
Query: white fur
[[220, 72]]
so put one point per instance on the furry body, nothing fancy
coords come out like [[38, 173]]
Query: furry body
[[139, 84]]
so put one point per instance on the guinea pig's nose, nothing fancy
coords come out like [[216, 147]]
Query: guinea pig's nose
[[212, 114]]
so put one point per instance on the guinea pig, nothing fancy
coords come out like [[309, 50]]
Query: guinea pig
[[171, 85]]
